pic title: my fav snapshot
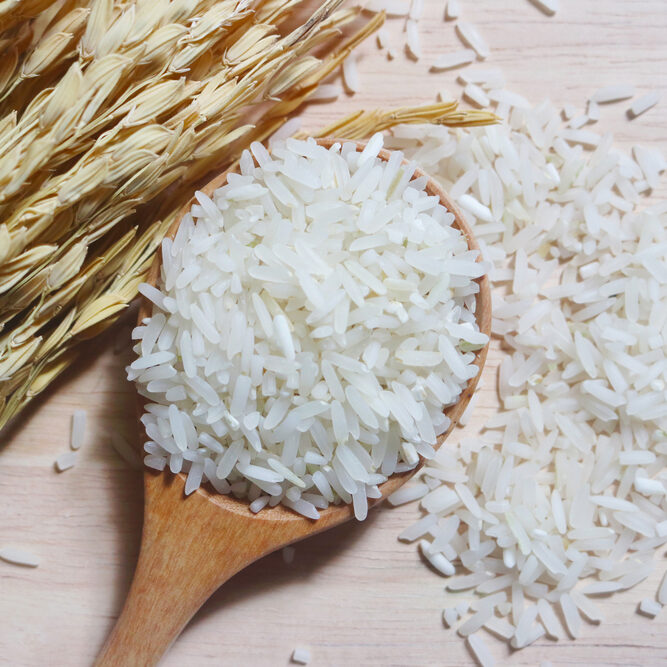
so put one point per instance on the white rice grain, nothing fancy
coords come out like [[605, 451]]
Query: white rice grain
[[17, 556], [613, 93], [643, 104], [65, 461], [454, 59], [301, 656], [473, 93], [571, 615], [413, 42], [453, 10], [78, 429], [471, 37], [480, 651], [351, 75], [649, 608]]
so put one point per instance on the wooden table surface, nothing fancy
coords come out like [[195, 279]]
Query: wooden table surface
[[354, 596]]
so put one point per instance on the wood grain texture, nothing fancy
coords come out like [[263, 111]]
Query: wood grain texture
[[354, 595]]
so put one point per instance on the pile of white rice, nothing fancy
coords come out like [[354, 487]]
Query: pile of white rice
[[312, 320], [562, 497]]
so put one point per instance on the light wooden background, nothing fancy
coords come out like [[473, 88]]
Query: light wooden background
[[355, 596]]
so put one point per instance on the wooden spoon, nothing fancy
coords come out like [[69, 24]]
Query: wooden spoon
[[192, 545]]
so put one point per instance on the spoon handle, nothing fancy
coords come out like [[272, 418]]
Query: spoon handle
[[186, 553]]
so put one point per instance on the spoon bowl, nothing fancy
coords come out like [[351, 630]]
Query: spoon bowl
[[191, 545]]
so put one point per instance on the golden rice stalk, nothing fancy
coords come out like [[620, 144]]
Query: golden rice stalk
[[47, 54], [32, 43], [364, 123], [94, 171], [65, 130], [276, 11], [15, 11], [301, 90], [92, 87]]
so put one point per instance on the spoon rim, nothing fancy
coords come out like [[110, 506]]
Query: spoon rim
[[280, 512]]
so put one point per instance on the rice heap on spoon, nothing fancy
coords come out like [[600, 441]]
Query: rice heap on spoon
[[312, 320]]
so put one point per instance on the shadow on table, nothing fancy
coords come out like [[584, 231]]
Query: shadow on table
[[272, 572]]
